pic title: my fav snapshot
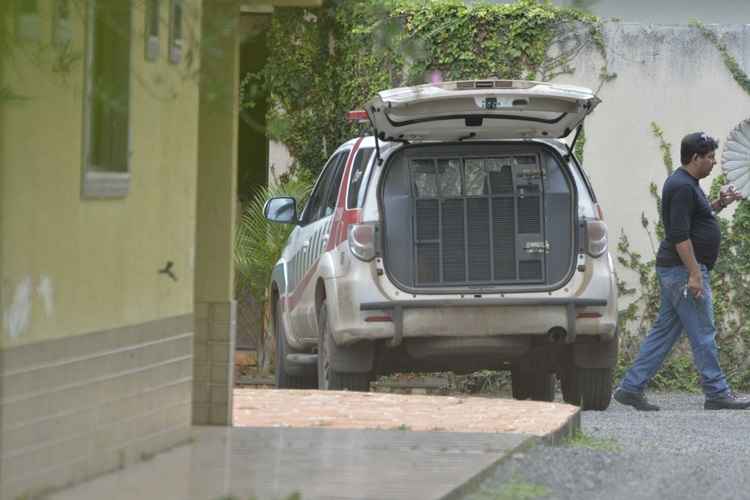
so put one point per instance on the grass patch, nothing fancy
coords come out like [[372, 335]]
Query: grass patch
[[515, 489], [581, 440]]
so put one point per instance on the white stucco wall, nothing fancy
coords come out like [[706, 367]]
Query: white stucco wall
[[279, 160], [666, 74], [660, 11]]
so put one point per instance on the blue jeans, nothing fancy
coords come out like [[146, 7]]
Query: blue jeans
[[678, 312]]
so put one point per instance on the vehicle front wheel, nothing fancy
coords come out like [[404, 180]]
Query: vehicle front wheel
[[328, 378]]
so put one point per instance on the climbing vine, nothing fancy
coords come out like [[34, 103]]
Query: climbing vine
[[327, 61], [731, 63]]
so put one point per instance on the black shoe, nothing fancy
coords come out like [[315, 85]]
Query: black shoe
[[728, 402], [634, 399]]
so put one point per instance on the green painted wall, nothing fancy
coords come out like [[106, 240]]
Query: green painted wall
[[217, 174], [70, 265]]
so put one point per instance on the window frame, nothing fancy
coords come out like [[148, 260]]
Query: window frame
[[334, 183], [97, 184], [28, 21], [175, 42], [321, 187], [62, 29], [152, 42], [360, 190]]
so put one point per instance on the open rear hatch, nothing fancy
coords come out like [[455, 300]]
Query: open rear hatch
[[480, 110]]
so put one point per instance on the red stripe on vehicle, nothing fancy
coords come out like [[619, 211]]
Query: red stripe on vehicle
[[343, 218], [292, 300], [341, 221]]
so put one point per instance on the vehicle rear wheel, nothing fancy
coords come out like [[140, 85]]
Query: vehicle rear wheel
[[328, 378], [518, 387], [569, 386], [539, 386], [283, 379], [595, 386]]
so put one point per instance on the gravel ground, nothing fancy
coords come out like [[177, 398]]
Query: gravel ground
[[682, 452]]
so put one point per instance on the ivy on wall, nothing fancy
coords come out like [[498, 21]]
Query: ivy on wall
[[729, 61], [327, 61]]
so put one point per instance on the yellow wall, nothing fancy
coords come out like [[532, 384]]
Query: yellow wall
[[71, 265], [217, 155]]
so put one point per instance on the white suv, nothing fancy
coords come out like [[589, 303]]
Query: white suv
[[463, 235]]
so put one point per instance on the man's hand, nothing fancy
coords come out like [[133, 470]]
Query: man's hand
[[695, 284], [728, 195]]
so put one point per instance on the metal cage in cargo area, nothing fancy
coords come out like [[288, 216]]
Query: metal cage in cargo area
[[478, 215]]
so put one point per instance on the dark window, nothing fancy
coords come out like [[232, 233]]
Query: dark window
[[28, 23], [449, 175], [175, 33], [110, 72], [357, 182], [317, 199], [424, 182], [108, 100], [152, 29], [334, 184], [61, 29]]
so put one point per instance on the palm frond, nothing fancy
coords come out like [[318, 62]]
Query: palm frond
[[258, 242]]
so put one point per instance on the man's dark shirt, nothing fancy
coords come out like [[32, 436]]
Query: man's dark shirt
[[687, 214]]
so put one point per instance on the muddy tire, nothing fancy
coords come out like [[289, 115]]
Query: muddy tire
[[569, 386], [328, 378], [595, 386], [538, 386]]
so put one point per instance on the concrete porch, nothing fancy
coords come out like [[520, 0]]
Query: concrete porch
[[339, 445]]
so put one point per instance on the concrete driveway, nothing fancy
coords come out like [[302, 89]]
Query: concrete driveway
[[339, 445]]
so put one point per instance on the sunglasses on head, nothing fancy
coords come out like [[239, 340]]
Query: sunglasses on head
[[704, 138]]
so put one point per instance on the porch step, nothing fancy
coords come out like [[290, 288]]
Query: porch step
[[302, 359]]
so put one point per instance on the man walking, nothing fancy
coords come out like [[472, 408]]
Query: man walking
[[683, 262]]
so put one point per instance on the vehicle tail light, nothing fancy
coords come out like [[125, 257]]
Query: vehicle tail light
[[588, 315], [362, 240], [378, 319], [357, 115], [596, 238]]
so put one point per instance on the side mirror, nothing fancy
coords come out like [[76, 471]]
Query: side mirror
[[282, 209]]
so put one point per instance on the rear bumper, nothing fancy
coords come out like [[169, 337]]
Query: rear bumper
[[550, 312], [365, 305]]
